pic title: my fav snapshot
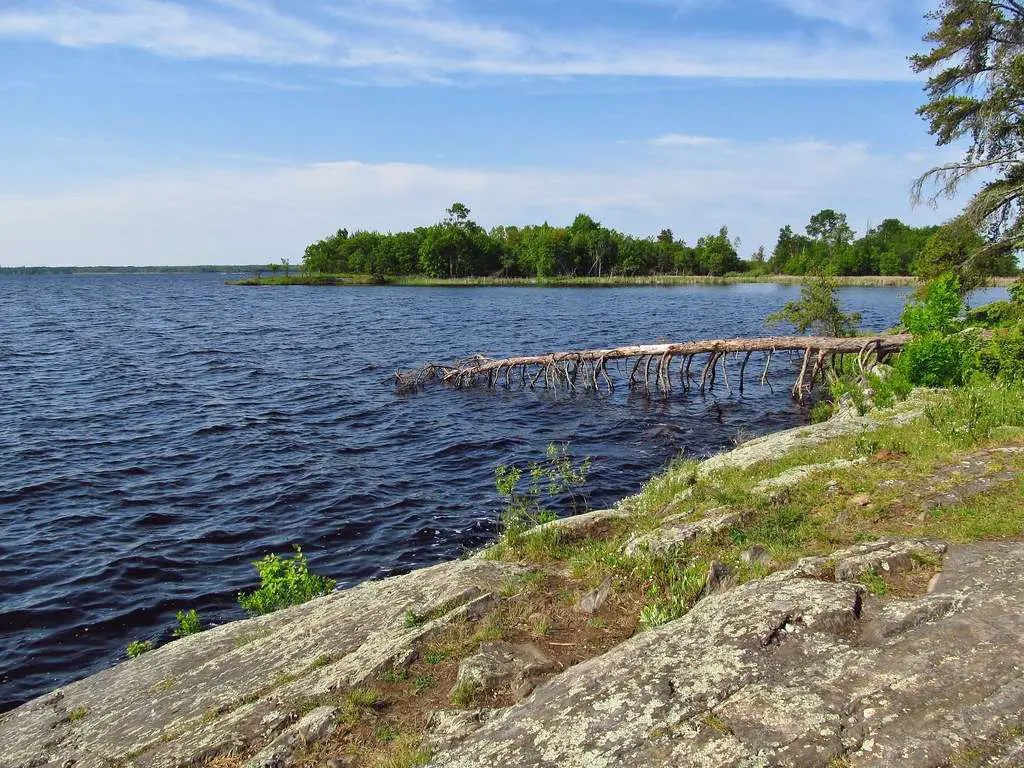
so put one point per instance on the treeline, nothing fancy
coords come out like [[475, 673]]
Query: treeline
[[459, 247]]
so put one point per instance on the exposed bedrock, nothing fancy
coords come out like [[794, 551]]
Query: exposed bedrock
[[792, 671], [237, 688]]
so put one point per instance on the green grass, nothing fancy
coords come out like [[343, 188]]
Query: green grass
[[813, 517], [357, 703], [423, 683], [466, 694], [434, 656], [876, 584], [76, 714]]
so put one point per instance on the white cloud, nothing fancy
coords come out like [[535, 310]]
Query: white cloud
[[872, 16], [415, 40], [687, 140], [267, 213]]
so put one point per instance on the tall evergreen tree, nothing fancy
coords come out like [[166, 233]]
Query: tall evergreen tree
[[976, 94]]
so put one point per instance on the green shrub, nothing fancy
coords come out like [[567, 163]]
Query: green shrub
[[939, 310], [1016, 292], [935, 360], [188, 623], [283, 582], [817, 310], [889, 388], [938, 356], [1003, 356], [998, 314], [138, 647]]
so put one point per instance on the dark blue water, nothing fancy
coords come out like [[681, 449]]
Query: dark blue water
[[158, 433]]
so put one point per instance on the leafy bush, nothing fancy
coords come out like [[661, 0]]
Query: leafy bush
[[935, 360], [283, 582], [138, 647], [938, 311], [1016, 292], [938, 356], [889, 388], [1003, 356], [556, 475], [188, 623], [998, 314]]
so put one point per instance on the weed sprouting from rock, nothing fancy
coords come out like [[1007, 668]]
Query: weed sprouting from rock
[[188, 623], [283, 582], [138, 647]]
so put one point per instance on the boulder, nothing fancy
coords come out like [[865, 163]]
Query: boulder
[[502, 666], [757, 555], [719, 579], [447, 727], [591, 602]]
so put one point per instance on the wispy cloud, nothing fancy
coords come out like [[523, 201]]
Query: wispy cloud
[[420, 40], [687, 140], [872, 16], [269, 212], [260, 83]]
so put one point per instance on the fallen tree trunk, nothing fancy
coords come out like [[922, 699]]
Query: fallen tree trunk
[[588, 369]]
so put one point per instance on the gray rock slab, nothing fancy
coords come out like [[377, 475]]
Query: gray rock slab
[[790, 671], [679, 530], [593, 601], [587, 524], [236, 687], [796, 475], [890, 556], [447, 727], [777, 444]]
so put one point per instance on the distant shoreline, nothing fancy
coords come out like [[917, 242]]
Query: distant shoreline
[[570, 282], [226, 269]]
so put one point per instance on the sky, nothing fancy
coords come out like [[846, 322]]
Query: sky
[[141, 132]]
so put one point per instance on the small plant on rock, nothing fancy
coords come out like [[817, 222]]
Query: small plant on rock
[[188, 623], [466, 694], [284, 582], [138, 647]]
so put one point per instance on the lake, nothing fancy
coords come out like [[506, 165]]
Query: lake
[[160, 432]]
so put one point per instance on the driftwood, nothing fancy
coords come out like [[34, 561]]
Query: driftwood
[[652, 364]]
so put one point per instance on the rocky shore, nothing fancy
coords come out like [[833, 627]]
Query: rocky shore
[[840, 648]]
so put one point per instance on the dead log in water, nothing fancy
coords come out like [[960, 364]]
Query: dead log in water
[[589, 369]]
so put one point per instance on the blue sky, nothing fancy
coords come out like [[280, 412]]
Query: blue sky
[[236, 131]]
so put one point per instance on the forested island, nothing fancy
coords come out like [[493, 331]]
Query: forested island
[[458, 247]]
